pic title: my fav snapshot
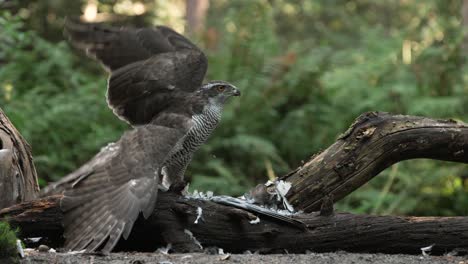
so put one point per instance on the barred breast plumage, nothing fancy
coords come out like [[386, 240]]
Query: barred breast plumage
[[204, 124]]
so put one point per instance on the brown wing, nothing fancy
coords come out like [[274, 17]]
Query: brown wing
[[151, 68], [110, 192], [139, 91], [117, 47]]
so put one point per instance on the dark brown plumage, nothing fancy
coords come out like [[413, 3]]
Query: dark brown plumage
[[155, 84], [150, 67], [114, 188]]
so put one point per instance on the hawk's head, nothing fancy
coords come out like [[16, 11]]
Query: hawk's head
[[219, 91]]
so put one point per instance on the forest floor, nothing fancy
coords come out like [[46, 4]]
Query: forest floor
[[318, 258]]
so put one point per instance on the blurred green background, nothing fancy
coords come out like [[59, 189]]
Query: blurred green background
[[306, 69]]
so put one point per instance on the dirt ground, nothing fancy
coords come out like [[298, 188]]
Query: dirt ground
[[318, 258]]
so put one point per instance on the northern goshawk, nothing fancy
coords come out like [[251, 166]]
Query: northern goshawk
[[155, 85]]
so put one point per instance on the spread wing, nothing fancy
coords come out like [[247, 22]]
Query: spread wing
[[116, 47], [139, 91], [150, 68], [110, 191]]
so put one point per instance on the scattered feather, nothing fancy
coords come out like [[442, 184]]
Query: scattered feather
[[269, 183], [225, 256], [76, 252], [283, 187], [165, 250], [199, 214], [33, 239], [255, 221], [19, 248], [426, 250], [288, 206], [194, 239], [243, 204], [247, 204]]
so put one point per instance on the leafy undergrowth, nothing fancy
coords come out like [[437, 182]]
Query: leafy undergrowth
[[7, 244]]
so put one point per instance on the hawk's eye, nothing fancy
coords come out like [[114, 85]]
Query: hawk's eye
[[220, 88]]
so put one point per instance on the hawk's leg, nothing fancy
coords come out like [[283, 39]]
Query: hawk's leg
[[178, 187], [174, 178]]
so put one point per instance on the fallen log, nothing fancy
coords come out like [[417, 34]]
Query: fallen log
[[374, 142], [233, 230]]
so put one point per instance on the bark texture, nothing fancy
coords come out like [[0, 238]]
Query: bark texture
[[18, 179], [230, 228], [373, 143]]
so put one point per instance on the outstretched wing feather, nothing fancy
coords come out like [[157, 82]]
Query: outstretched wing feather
[[151, 68], [139, 91], [119, 46], [104, 206]]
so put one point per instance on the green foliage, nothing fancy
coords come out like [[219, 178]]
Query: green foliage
[[56, 103], [306, 69], [299, 96], [8, 251]]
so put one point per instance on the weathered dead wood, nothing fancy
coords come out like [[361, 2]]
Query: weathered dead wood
[[374, 142], [18, 179], [230, 228]]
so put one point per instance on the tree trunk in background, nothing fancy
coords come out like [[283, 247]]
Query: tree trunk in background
[[18, 178], [464, 15], [195, 13]]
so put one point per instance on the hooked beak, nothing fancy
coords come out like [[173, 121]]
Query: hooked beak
[[236, 92]]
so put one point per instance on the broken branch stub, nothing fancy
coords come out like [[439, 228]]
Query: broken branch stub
[[18, 179]]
